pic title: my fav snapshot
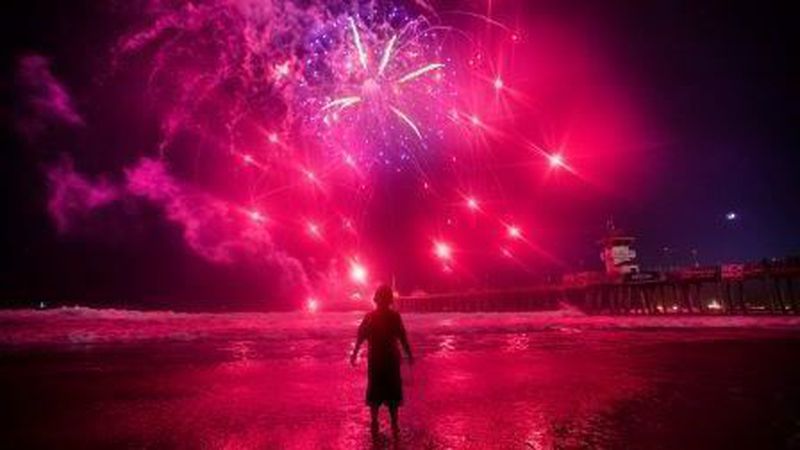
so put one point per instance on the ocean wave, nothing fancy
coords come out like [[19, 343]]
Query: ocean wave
[[82, 325]]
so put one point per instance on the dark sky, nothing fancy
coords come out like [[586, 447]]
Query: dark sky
[[715, 77], [720, 79]]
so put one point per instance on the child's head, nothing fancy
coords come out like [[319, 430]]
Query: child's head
[[384, 296]]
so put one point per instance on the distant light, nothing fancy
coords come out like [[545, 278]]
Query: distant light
[[498, 83], [514, 232], [312, 305], [358, 273], [731, 215], [273, 138], [248, 159], [442, 250], [472, 203], [475, 120], [714, 305], [556, 159]]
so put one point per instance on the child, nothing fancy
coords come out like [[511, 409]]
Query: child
[[382, 328]]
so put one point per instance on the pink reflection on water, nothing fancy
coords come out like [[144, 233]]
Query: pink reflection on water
[[446, 344], [516, 342], [289, 384]]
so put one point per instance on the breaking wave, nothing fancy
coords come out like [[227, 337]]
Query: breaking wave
[[82, 325]]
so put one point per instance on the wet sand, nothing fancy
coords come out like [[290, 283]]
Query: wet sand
[[503, 381]]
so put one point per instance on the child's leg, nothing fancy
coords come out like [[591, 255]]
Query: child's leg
[[393, 414], [373, 413]]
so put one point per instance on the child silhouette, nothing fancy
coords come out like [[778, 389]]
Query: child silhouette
[[382, 328]]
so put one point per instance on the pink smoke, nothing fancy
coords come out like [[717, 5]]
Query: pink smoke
[[214, 229], [45, 100], [72, 196]]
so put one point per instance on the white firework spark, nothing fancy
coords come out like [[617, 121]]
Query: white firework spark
[[378, 83]]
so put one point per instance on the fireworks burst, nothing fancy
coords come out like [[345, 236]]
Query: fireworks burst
[[295, 110], [375, 85], [385, 88]]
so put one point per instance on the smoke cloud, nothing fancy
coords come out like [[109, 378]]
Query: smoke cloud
[[45, 101], [212, 228]]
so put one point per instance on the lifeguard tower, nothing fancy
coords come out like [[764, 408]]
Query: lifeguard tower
[[618, 254]]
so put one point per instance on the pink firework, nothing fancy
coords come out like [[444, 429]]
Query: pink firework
[[384, 89], [382, 83], [300, 117]]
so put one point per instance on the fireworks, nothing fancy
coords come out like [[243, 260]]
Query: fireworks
[[442, 250], [556, 160], [498, 84], [386, 84], [312, 305], [358, 273], [314, 230], [317, 104], [256, 216], [472, 204]]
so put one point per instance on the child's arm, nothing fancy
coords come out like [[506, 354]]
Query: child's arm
[[362, 335], [404, 339]]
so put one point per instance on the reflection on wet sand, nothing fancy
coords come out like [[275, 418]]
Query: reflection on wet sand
[[472, 389]]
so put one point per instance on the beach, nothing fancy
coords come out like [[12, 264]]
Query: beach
[[84, 378]]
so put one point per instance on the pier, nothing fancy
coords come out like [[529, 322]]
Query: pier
[[766, 287]]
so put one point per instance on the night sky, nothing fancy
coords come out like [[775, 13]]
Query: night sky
[[706, 92]]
